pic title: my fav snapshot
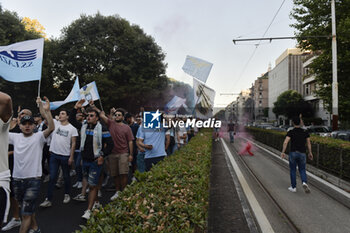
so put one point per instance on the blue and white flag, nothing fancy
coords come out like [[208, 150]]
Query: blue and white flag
[[74, 95], [89, 92], [22, 61], [197, 68], [174, 104]]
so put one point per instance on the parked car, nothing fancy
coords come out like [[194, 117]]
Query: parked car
[[341, 134], [322, 131]]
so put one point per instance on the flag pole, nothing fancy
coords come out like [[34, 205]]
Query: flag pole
[[39, 87], [101, 104]]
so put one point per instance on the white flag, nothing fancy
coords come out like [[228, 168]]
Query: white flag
[[22, 61], [204, 100], [89, 92]]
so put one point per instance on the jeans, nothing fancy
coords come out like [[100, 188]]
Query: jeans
[[26, 193], [297, 158], [77, 163], [141, 162], [56, 161], [152, 161], [232, 136]]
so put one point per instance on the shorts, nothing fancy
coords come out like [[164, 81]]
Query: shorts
[[92, 172], [26, 193], [118, 164]]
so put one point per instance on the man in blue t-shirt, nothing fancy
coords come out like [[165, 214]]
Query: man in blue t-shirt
[[155, 143]]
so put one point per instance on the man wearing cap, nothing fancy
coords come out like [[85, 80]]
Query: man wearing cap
[[27, 171], [5, 118]]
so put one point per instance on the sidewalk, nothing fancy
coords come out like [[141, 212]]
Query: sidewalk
[[225, 209]]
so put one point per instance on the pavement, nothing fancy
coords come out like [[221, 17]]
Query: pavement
[[62, 218]]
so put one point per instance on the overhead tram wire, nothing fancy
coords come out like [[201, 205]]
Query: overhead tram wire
[[257, 45]]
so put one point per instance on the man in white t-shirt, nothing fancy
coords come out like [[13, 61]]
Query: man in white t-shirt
[[62, 149], [27, 169], [5, 118]]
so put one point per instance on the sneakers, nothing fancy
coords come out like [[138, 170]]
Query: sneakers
[[99, 193], [12, 224], [46, 178], [79, 197], [72, 173], [86, 214], [78, 185], [46, 203], [306, 187], [59, 184], [293, 190], [115, 196], [66, 198], [96, 205], [34, 231]]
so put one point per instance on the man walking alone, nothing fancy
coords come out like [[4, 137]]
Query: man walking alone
[[298, 137]]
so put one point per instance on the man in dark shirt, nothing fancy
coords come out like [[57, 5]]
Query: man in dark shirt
[[93, 139], [297, 156]]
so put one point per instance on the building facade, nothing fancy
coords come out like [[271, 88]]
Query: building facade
[[286, 75], [260, 89]]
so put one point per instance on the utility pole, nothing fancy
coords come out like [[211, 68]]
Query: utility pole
[[334, 71]]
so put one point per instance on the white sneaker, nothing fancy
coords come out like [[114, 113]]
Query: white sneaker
[[293, 190], [66, 198], [12, 224], [46, 178], [86, 214], [96, 205], [79, 197], [115, 196], [306, 187], [46, 203], [78, 185], [72, 173], [99, 193]]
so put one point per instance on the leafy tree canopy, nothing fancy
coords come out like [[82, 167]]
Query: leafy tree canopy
[[290, 103], [127, 65], [313, 18]]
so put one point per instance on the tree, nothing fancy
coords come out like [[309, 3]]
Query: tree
[[127, 65], [33, 25], [290, 103], [314, 19]]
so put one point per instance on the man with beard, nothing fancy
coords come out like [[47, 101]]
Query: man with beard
[[122, 152]]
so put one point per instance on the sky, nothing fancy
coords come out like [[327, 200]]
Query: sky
[[203, 29]]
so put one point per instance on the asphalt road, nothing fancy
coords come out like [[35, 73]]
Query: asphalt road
[[62, 218]]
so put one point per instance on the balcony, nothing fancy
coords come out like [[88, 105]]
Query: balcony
[[308, 79]]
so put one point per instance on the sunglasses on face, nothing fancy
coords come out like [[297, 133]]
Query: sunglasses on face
[[118, 114], [91, 115]]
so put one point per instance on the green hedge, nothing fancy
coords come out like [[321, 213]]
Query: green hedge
[[330, 155], [172, 197]]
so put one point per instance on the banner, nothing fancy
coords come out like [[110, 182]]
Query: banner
[[197, 68], [73, 96], [89, 92], [22, 61], [203, 99], [174, 104]]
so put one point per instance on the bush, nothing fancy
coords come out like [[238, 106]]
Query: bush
[[330, 155], [172, 197]]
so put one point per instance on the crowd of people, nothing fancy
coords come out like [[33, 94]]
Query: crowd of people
[[84, 141]]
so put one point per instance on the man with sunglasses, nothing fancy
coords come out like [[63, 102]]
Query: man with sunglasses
[[95, 144], [122, 152]]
